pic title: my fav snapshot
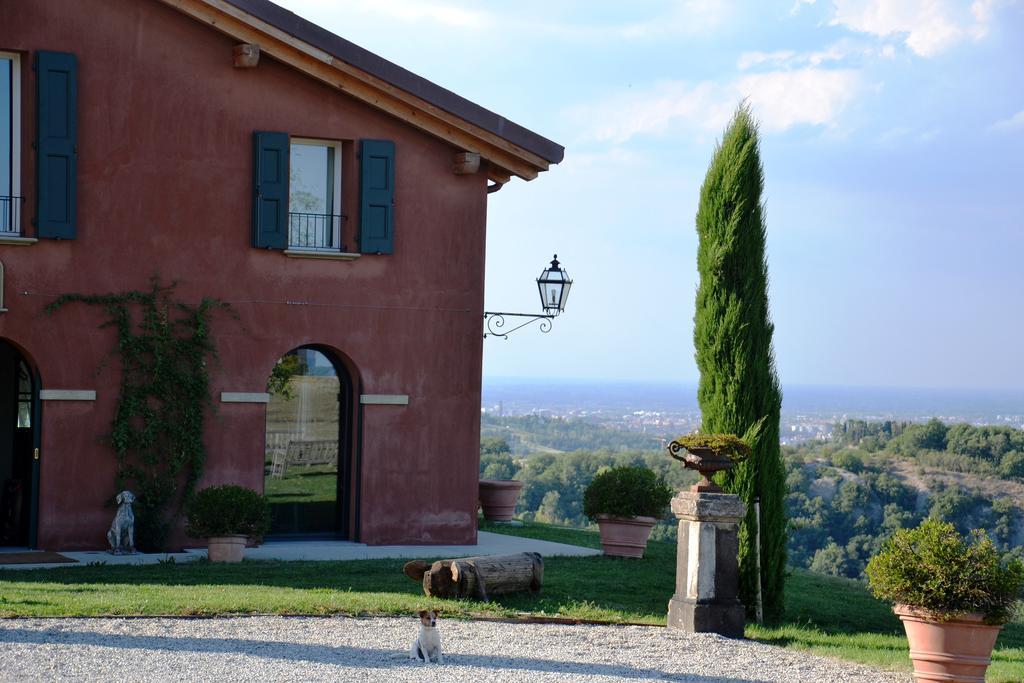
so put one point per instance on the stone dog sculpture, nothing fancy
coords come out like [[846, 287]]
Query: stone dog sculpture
[[122, 530]]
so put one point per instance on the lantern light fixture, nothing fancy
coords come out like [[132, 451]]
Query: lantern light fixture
[[553, 286]]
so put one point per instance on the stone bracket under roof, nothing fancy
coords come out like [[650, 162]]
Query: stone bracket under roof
[[508, 148]]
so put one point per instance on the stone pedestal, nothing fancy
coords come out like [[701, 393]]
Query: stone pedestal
[[707, 564]]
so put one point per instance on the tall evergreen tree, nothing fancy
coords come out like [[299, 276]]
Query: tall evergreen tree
[[733, 336]]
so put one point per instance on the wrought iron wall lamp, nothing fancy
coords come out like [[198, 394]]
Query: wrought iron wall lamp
[[553, 286]]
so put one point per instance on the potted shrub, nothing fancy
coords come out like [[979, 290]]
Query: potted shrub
[[709, 453], [626, 502], [952, 594], [227, 516]]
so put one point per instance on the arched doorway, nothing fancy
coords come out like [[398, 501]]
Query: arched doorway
[[307, 468], [19, 448]]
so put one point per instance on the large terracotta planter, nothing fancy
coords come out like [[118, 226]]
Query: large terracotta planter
[[498, 498], [956, 650], [625, 536], [226, 548]]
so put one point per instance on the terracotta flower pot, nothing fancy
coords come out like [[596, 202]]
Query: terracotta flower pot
[[957, 650], [625, 536], [498, 498], [226, 548]]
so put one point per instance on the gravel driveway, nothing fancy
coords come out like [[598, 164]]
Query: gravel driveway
[[348, 649]]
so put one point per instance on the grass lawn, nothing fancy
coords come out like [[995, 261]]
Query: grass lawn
[[824, 615]]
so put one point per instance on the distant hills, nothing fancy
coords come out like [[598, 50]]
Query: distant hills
[[563, 397]]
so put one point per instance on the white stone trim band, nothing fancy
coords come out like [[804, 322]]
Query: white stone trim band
[[244, 397], [384, 399], [67, 395]]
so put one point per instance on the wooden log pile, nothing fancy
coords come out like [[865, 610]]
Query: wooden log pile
[[479, 578]]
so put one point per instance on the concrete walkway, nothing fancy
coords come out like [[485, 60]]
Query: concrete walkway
[[487, 544]]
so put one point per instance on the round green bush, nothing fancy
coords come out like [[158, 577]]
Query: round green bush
[[227, 510], [626, 492], [934, 568]]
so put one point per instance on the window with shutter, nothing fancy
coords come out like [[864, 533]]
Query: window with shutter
[[56, 144], [376, 196], [314, 196], [10, 145], [270, 190]]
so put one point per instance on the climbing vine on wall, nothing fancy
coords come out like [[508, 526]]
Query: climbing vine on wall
[[157, 432]]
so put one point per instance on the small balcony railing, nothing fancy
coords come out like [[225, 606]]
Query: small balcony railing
[[315, 231], [10, 216]]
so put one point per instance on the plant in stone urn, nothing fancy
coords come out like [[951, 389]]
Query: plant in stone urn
[[626, 502], [952, 594], [709, 453], [227, 516]]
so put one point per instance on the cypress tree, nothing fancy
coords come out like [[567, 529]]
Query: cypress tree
[[733, 336]]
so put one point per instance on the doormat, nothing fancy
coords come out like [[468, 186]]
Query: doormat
[[34, 558]]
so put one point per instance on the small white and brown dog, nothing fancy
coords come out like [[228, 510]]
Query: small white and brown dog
[[427, 645]]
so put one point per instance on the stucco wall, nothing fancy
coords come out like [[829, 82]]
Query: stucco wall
[[164, 187]]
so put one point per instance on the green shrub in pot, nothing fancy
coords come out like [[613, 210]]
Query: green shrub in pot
[[227, 510], [935, 569], [627, 491], [952, 594]]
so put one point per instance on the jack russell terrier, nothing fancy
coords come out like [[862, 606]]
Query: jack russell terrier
[[428, 644]]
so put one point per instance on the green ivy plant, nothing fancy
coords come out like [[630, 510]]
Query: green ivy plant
[[935, 569], [157, 432]]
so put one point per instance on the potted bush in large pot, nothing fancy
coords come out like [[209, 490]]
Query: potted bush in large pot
[[626, 502], [227, 516], [952, 594]]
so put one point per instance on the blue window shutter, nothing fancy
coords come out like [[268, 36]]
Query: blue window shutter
[[270, 190], [376, 196], [56, 145]]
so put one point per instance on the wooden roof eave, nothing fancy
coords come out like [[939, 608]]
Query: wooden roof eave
[[503, 155]]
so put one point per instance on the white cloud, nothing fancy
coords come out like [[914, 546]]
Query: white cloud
[[928, 27], [654, 111], [1015, 122], [783, 99], [777, 58], [845, 50], [678, 18], [409, 11], [780, 100]]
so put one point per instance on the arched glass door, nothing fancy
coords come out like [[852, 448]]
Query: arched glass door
[[304, 467], [19, 469]]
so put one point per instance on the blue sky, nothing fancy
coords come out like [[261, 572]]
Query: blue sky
[[893, 146]]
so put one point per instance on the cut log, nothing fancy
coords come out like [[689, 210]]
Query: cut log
[[480, 578], [416, 569]]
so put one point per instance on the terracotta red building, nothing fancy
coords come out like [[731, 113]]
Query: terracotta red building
[[334, 200]]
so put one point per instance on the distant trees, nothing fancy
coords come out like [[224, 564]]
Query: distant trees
[[733, 338], [840, 509], [986, 450], [496, 459]]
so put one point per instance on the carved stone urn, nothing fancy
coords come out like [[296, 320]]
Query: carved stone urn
[[708, 453]]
